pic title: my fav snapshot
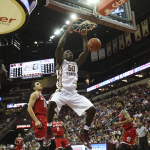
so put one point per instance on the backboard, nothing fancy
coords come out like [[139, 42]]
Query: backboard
[[122, 18]]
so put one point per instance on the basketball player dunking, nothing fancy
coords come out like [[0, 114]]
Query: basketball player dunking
[[129, 132], [60, 140], [19, 142], [37, 109], [67, 76]]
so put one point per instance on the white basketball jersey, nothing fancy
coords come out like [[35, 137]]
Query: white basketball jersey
[[67, 75]]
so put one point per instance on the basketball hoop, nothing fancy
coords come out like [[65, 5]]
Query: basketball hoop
[[80, 24]]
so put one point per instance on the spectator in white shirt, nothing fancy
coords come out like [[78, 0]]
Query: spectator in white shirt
[[118, 132], [141, 132], [145, 101]]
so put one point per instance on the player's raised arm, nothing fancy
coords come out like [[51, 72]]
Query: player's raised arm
[[32, 101], [66, 132], [85, 52], [59, 50]]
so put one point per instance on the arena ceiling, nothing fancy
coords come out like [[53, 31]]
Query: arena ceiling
[[44, 22]]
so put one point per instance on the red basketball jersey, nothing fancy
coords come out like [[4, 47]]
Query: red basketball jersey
[[40, 106], [57, 128], [125, 126], [19, 140]]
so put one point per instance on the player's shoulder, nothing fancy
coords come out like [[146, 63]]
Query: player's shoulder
[[35, 95]]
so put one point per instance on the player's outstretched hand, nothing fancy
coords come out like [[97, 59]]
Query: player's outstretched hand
[[70, 30], [83, 32], [38, 124]]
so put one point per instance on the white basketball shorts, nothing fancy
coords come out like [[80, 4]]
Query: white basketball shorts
[[77, 102]]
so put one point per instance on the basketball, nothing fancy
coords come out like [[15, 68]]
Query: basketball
[[94, 44]]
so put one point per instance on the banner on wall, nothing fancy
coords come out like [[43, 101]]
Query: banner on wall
[[108, 49], [145, 29], [121, 42], [114, 45], [101, 53], [128, 39], [94, 56], [137, 34]]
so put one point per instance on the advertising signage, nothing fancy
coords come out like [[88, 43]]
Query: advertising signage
[[14, 15], [121, 76]]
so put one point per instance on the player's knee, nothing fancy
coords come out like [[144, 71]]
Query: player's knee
[[92, 110], [52, 104], [69, 148]]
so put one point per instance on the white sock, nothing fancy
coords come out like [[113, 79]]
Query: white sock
[[86, 127], [49, 124]]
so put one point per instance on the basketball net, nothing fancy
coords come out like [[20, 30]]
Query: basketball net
[[80, 24]]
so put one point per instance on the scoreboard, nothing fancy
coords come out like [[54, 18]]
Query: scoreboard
[[33, 68]]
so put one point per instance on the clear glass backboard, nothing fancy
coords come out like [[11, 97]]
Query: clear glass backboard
[[122, 18]]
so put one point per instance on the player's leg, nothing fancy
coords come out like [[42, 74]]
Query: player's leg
[[54, 105], [125, 147], [58, 144], [82, 105], [17, 148], [90, 115], [42, 147], [66, 145], [50, 111], [53, 145], [21, 148]]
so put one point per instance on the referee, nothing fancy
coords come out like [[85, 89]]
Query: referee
[[141, 131]]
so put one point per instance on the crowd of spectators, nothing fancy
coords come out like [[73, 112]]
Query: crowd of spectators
[[137, 102]]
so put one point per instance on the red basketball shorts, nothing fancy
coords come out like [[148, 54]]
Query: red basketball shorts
[[19, 147], [129, 136], [40, 132], [61, 143]]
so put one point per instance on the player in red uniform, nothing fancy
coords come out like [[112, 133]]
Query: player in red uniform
[[19, 142], [37, 109], [129, 132], [58, 127]]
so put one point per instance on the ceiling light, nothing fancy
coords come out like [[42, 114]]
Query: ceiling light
[[107, 31], [67, 22], [37, 45], [35, 42], [100, 89], [57, 32], [124, 80], [139, 75], [73, 16], [52, 36], [27, 46], [92, 1], [38, 13]]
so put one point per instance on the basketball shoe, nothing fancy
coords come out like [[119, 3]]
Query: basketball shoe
[[84, 139], [48, 138]]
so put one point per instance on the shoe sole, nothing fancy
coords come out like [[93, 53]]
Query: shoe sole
[[47, 145], [80, 137], [83, 142]]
